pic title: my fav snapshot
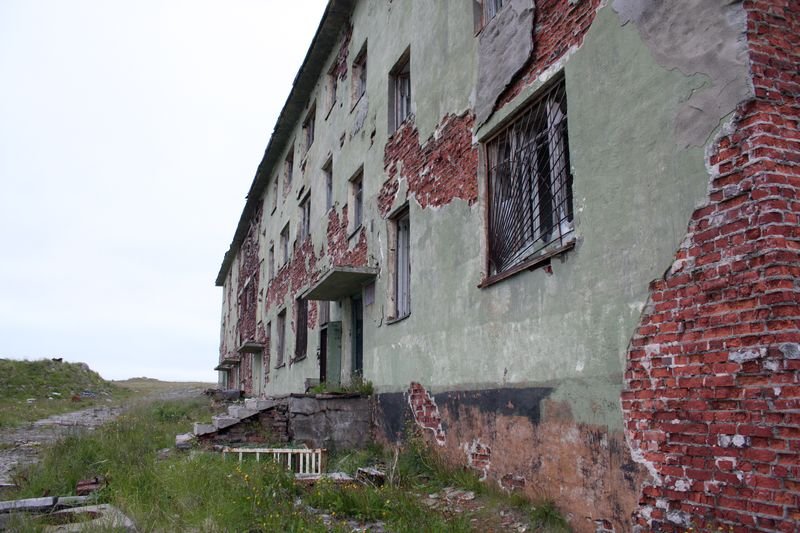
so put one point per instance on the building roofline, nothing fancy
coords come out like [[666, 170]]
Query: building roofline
[[336, 15]]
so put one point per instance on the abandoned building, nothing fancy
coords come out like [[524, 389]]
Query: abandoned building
[[560, 236]]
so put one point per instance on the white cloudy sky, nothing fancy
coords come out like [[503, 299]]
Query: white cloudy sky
[[129, 134]]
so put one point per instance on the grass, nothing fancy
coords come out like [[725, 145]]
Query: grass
[[357, 385], [203, 491], [30, 390]]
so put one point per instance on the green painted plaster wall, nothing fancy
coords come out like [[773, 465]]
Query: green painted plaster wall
[[634, 190]]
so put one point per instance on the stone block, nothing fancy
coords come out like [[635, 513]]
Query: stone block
[[203, 429], [222, 421], [259, 404], [237, 411]]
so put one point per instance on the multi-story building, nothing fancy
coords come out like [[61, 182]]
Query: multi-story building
[[560, 236]]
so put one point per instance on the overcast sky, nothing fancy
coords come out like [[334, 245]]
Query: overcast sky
[[129, 134]]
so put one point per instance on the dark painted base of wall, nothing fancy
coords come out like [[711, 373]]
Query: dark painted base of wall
[[522, 441]]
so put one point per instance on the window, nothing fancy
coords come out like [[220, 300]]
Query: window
[[402, 265], [327, 175], [285, 244], [274, 194], [280, 337], [272, 262], [324, 309], [491, 8], [360, 74], [331, 84], [301, 331], [267, 354], [356, 200], [529, 184], [308, 127], [305, 218], [288, 170], [400, 92], [485, 10]]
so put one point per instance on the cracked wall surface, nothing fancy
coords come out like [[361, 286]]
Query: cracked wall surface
[[711, 386], [544, 356]]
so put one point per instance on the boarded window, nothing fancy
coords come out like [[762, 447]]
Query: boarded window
[[529, 183], [301, 330]]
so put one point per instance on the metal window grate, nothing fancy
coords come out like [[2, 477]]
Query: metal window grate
[[530, 184]]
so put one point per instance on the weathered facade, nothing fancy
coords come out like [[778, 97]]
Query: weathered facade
[[561, 236]]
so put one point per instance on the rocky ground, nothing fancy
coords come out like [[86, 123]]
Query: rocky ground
[[22, 445]]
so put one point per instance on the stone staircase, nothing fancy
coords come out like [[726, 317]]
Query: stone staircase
[[236, 414], [341, 421]]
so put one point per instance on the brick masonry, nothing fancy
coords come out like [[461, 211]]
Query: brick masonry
[[712, 391], [558, 26], [425, 412], [438, 171]]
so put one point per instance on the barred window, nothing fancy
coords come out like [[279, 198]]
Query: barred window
[[530, 185]]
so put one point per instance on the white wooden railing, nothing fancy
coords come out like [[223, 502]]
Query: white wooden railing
[[298, 460]]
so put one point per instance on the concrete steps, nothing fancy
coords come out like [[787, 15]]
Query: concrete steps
[[236, 413]]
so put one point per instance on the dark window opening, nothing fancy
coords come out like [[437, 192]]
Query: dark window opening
[[301, 330], [529, 183]]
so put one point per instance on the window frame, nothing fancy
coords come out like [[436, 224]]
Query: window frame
[[285, 244], [356, 204], [331, 86], [545, 228], [301, 329], [305, 217], [400, 103], [327, 173], [400, 258], [288, 170], [280, 339], [271, 258], [309, 127], [359, 85]]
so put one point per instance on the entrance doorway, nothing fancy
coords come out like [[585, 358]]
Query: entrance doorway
[[358, 336], [323, 354], [258, 373]]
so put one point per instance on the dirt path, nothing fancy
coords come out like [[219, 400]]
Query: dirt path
[[22, 445]]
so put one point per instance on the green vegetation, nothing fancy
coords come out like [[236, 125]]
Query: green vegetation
[[358, 385], [30, 390], [546, 517], [203, 491]]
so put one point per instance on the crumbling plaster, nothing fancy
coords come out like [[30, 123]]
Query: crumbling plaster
[[701, 38], [439, 55]]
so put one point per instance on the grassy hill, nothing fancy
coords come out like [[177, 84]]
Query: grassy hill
[[30, 390]]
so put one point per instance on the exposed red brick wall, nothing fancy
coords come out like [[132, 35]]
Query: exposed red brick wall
[[425, 412], [712, 389], [558, 25], [437, 172], [249, 271], [340, 250], [340, 66]]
